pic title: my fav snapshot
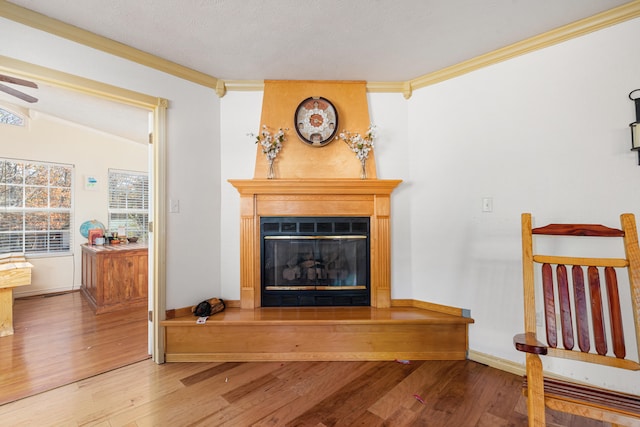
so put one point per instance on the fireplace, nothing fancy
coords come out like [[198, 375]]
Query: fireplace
[[314, 261], [315, 198]]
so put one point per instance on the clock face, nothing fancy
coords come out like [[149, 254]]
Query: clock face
[[316, 121]]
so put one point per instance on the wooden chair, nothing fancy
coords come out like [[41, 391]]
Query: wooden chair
[[581, 315]]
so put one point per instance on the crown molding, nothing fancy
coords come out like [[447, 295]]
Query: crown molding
[[238, 85], [385, 87], [258, 85], [397, 87], [244, 85], [579, 28], [87, 38], [76, 83]]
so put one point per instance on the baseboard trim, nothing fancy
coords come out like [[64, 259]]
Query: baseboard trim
[[45, 292], [516, 368], [496, 362]]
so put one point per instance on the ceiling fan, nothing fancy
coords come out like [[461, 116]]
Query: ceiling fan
[[15, 92]]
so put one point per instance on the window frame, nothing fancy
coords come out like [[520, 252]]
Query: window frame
[[34, 235]]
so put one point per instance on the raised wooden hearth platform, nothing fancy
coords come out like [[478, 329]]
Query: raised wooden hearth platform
[[318, 333]]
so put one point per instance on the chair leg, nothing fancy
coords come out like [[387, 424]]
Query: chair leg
[[535, 391]]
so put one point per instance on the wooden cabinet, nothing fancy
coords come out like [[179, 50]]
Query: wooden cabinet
[[115, 276]]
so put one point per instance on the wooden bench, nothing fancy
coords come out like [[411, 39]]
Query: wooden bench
[[580, 317], [14, 271]]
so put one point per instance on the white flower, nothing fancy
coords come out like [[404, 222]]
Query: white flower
[[361, 145], [271, 144]]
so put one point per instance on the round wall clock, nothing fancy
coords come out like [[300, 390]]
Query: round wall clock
[[316, 121]]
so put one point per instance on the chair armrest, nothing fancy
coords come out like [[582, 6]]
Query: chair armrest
[[528, 343]]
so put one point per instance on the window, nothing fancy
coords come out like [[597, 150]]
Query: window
[[129, 203], [35, 207], [11, 118]]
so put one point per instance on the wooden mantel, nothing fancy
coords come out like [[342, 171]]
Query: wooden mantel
[[315, 197]]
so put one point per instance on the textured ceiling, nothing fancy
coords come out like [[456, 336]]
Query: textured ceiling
[[371, 40]]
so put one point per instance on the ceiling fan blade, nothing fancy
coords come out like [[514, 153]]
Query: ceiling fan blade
[[17, 81], [17, 93]]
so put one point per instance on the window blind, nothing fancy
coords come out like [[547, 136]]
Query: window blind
[[129, 203]]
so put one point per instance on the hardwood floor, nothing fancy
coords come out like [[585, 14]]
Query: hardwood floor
[[58, 340], [308, 393], [429, 393]]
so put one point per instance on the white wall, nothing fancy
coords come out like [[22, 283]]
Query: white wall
[[193, 152], [389, 112], [93, 153], [240, 115], [544, 133]]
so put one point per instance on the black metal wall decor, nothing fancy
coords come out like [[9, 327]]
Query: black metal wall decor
[[635, 126]]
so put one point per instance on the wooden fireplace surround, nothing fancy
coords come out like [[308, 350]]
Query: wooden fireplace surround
[[315, 197]]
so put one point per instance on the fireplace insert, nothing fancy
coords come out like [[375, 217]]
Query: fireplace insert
[[314, 261]]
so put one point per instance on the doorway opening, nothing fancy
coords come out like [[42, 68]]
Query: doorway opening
[[156, 116]]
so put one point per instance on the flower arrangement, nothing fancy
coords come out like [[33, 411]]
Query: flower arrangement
[[271, 144], [361, 145]]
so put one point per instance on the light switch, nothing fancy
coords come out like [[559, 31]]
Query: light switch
[[487, 204], [174, 205]]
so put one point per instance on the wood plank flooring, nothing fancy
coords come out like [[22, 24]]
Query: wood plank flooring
[[307, 393], [455, 393], [58, 340]]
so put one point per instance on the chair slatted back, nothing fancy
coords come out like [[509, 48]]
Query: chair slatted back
[[582, 322]]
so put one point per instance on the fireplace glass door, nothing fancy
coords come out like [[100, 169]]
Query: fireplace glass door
[[320, 267]]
